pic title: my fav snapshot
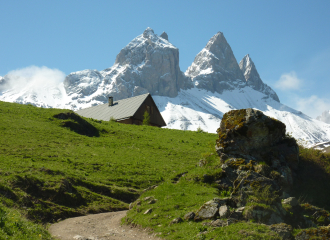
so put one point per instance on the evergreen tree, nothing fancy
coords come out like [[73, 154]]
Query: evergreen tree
[[146, 118]]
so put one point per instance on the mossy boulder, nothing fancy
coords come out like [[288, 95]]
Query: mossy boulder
[[249, 134], [267, 214], [317, 215], [283, 230], [314, 233], [246, 130]]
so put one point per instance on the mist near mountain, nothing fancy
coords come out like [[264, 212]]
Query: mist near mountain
[[325, 117]]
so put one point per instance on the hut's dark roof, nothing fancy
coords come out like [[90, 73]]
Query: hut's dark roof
[[120, 109]]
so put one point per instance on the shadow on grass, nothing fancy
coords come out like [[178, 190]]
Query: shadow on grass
[[77, 124], [312, 182]]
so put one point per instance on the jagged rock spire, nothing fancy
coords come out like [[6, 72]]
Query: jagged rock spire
[[253, 79], [164, 35], [215, 67], [148, 32]]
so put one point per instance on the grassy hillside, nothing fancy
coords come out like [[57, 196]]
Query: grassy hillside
[[55, 164]]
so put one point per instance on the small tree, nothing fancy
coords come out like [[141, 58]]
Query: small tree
[[199, 129], [146, 118]]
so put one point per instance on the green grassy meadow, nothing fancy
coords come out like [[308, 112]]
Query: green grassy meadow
[[53, 168], [55, 165]]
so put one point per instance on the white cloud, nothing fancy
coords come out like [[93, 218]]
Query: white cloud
[[34, 77], [312, 106], [289, 81]]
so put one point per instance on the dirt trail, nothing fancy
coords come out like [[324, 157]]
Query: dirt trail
[[102, 226]]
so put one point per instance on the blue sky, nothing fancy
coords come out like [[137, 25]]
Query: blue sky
[[289, 41]]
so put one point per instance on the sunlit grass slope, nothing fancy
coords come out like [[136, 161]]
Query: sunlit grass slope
[[55, 164]]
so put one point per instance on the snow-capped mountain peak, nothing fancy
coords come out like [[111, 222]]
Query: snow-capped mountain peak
[[137, 50], [214, 84], [215, 67], [253, 79]]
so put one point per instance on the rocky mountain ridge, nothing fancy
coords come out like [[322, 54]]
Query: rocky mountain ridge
[[214, 84], [150, 63]]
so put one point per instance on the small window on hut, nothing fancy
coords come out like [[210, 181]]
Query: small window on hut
[[152, 110], [148, 109]]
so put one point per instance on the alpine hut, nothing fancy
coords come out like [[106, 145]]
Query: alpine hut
[[129, 111]]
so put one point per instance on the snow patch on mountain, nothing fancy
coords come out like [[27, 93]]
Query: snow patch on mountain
[[195, 108]]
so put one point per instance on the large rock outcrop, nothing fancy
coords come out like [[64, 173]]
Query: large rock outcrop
[[215, 67], [253, 79], [257, 160], [248, 133]]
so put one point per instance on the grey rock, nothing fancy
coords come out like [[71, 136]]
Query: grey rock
[[152, 201], [189, 216], [209, 210], [222, 201], [148, 32], [148, 211], [283, 230], [291, 201], [224, 211], [215, 68], [78, 237], [240, 209], [230, 173], [218, 223], [263, 215], [148, 198], [176, 220], [150, 188], [253, 79]]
